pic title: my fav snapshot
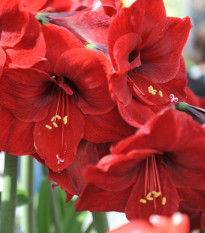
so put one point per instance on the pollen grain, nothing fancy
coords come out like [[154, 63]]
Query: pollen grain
[[48, 126], [151, 90], [143, 201]]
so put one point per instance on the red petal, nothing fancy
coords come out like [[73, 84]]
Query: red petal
[[194, 197], [135, 113], [108, 127], [119, 88], [122, 49], [31, 48], [109, 7], [58, 40], [95, 199], [58, 146], [11, 33], [71, 179], [161, 55], [26, 93], [87, 70], [128, 20], [3, 60], [90, 26], [116, 172], [16, 137], [184, 177], [35, 5]]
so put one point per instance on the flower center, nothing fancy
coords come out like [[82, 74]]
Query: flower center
[[149, 92], [60, 120], [152, 187]]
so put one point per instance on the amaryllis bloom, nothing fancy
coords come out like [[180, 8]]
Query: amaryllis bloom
[[141, 175], [66, 96], [145, 48], [177, 223], [21, 43]]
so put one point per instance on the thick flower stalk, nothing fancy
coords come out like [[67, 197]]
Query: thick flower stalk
[[197, 113]]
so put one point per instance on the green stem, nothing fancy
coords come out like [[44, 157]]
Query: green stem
[[181, 106], [55, 211], [27, 184], [100, 222], [8, 198]]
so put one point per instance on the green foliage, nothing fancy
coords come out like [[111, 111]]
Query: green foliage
[[60, 213], [44, 208]]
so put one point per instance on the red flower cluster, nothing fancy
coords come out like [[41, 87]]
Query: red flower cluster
[[89, 93]]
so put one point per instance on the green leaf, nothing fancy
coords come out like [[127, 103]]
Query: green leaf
[[44, 208], [72, 221]]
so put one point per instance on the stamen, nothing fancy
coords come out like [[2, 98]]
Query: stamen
[[65, 120], [149, 197], [151, 90], [160, 94], [48, 126], [156, 194], [56, 125], [164, 200], [53, 118], [143, 201], [58, 117]]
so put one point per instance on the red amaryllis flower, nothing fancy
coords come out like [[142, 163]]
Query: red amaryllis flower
[[178, 223], [145, 49], [65, 95], [141, 175], [22, 43]]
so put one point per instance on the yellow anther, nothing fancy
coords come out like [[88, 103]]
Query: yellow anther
[[160, 94], [59, 117], [156, 194], [149, 196], [164, 200], [65, 120], [55, 124], [143, 201], [151, 90], [48, 126], [53, 118]]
